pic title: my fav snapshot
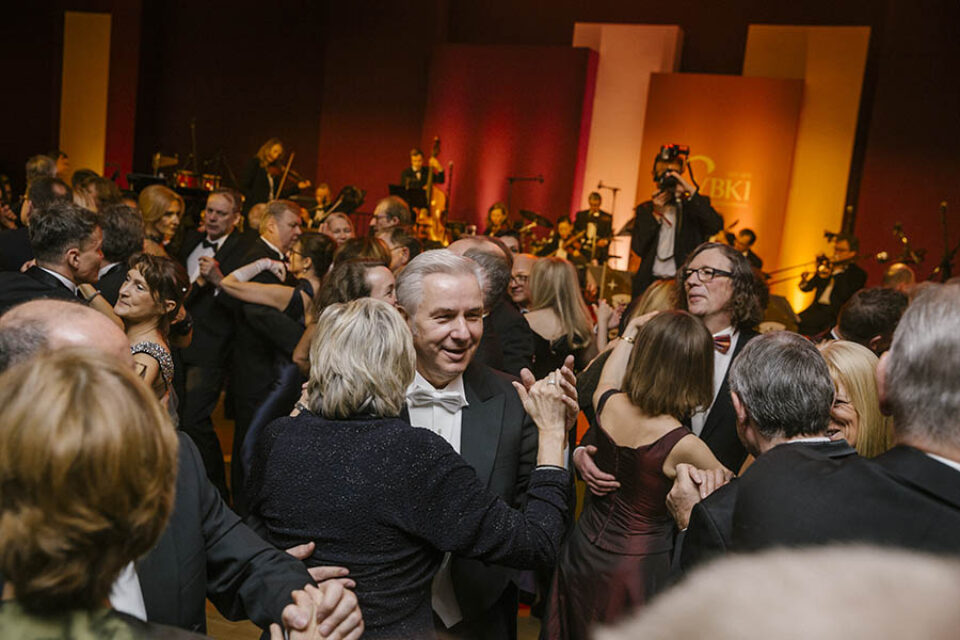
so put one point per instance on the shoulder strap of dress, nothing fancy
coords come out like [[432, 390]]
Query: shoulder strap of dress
[[603, 400]]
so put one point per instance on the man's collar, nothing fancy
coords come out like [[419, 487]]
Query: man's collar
[[271, 245], [455, 385], [67, 282], [104, 269]]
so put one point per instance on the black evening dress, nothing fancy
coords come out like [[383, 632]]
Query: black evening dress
[[385, 500], [618, 555]]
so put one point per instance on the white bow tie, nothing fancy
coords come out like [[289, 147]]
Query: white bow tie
[[452, 401]]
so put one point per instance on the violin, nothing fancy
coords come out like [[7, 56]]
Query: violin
[[284, 171]]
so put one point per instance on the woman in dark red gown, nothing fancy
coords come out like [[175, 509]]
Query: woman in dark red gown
[[618, 555]]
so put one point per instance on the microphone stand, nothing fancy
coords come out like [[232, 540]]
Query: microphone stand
[[945, 268], [512, 179]]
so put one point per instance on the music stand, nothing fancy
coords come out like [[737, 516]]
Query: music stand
[[415, 198]]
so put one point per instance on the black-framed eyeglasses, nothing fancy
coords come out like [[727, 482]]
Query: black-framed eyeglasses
[[706, 274]]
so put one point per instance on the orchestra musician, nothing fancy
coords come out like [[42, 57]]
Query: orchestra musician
[[834, 282], [260, 181], [497, 219], [743, 242], [565, 243], [318, 212], [415, 176], [598, 228]]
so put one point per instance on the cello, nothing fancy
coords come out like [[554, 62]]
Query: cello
[[436, 202]]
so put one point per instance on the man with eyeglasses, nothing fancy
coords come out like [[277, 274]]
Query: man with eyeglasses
[[389, 214], [519, 287], [207, 255], [719, 288]]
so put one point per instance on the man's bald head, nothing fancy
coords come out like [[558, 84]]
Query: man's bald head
[[486, 244], [46, 325]]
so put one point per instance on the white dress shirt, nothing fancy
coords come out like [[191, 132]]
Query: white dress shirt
[[664, 265], [444, 421], [103, 270], [953, 464], [721, 362], [193, 260], [126, 595]]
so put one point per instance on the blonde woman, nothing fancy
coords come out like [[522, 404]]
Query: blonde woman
[[856, 415], [161, 208], [558, 317], [339, 227]]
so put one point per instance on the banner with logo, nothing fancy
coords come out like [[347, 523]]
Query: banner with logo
[[741, 132]]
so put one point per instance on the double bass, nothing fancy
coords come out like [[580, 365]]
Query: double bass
[[436, 202]]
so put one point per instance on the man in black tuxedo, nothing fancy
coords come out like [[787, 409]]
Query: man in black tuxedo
[[743, 242], [479, 413], [833, 290], [907, 497], [122, 237], [507, 341], [415, 176], [66, 241], [15, 243], [205, 551], [782, 394], [263, 333], [720, 289], [207, 255], [670, 225], [870, 317], [597, 226]]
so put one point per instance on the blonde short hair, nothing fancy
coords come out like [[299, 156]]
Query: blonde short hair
[[361, 360], [88, 464], [855, 366]]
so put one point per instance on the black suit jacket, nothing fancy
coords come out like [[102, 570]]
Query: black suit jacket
[[845, 284], [207, 552], [902, 498], [604, 222], [213, 323], [710, 531], [15, 249], [507, 341], [720, 428], [34, 283], [109, 283], [499, 440], [409, 179], [696, 221]]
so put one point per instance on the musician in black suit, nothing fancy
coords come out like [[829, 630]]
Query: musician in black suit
[[415, 176], [204, 363], [205, 551], [263, 333], [720, 289], [260, 180], [66, 241], [477, 411], [743, 242], [598, 228], [122, 237], [670, 225], [832, 289], [15, 243], [782, 394], [907, 497]]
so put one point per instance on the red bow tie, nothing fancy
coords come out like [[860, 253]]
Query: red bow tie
[[722, 342]]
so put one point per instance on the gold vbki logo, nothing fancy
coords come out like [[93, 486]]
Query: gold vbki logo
[[730, 189]]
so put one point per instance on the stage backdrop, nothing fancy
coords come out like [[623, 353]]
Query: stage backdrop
[[511, 111], [741, 133]]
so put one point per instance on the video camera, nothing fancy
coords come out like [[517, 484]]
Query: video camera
[[670, 153]]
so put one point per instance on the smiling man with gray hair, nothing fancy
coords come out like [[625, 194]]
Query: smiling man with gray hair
[[907, 497]]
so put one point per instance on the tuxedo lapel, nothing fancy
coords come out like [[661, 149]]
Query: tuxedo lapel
[[722, 408], [481, 423]]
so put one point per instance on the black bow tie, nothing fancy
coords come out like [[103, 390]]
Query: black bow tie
[[209, 245]]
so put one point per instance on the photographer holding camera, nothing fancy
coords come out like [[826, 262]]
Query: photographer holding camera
[[673, 223]]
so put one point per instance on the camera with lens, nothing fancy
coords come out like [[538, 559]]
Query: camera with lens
[[674, 154]]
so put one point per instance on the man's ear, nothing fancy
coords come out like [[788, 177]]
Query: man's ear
[[72, 257], [876, 344], [739, 409], [882, 367], [405, 252]]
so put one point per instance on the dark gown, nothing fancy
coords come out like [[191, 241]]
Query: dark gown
[[549, 355], [618, 556]]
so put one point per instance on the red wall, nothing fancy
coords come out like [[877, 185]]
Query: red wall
[[508, 111]]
